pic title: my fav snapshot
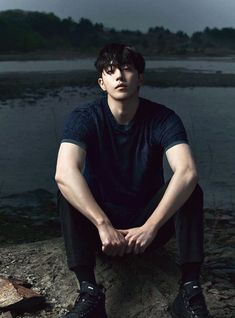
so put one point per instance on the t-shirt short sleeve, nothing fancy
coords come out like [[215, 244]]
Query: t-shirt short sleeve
[[76, 129], [172, 131]]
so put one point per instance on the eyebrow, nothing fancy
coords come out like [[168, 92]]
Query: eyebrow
[[111, 66]]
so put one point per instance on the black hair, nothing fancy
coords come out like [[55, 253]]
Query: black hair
[[116, 54]]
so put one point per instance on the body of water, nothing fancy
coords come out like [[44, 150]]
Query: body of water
[[30, 133], [194, 65]]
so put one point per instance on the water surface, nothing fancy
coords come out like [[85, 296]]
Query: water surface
[[30, 133], [196, 65]]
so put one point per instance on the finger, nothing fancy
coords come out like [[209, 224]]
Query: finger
[[123, 232], [114, 250], [142, 249], [105, 249], [136, 249], [123, 248], [119, 251], [108, 249], [130, 247], [119, 246]]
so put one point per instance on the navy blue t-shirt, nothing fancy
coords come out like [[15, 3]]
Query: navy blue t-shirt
[[124, 163]]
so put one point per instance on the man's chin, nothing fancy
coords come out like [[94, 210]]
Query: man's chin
[[124, 96]]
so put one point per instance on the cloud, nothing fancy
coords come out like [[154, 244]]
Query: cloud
[[183, 15]]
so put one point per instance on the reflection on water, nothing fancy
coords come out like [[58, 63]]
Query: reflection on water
[[225, 65], [30, 134]]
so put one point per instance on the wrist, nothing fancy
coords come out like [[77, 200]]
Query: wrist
[[102, 222], [151, 226]]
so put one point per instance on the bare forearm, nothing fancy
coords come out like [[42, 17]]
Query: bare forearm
[[75, 189], [178, 191]]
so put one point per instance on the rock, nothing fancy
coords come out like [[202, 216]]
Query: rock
[[6, 315], [19, 281], [16, 297], [137, 287]]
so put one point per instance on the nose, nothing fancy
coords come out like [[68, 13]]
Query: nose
[[118, 74]]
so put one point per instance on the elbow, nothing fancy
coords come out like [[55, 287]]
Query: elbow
[[61, 181], [59, 178], [196, 179], [193, 176], [189, 174], [64, 175]]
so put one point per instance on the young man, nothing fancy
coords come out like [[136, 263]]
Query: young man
[[112, 193]]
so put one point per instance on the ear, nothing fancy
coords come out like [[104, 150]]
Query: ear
[[101, 84]]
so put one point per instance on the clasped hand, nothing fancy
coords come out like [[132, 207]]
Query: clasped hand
[[129, 241]]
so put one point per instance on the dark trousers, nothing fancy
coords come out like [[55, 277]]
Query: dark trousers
[[82, 240]]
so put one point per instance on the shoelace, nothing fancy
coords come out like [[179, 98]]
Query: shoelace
[[84, 303]]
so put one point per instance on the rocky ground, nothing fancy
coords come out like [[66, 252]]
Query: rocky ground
[[141, 286]]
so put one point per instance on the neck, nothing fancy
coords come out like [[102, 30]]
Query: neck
[[123, 110]]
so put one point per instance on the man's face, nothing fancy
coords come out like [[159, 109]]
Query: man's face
[[121, 83]]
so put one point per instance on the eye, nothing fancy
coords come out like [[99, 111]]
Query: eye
[[110, 70], [127, 68]]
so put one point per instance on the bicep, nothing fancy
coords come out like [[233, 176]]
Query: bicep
[[180, 157], [70, 156]]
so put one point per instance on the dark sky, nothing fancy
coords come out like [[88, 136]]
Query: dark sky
[[186, 15]]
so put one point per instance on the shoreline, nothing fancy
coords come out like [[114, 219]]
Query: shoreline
[[73, 54], [25, 225], [20, 85]]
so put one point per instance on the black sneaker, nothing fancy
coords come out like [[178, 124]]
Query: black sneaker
[[190, 302], [90, 303]]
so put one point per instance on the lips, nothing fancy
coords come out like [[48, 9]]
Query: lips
[[120, 85]]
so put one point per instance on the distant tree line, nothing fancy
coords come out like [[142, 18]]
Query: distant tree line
[[26, 31]]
